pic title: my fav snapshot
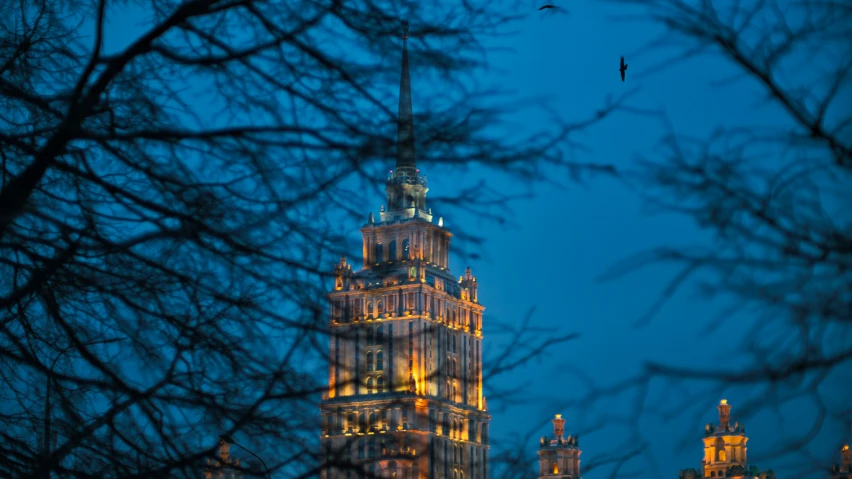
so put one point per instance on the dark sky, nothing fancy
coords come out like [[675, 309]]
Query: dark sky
[[564, 238]]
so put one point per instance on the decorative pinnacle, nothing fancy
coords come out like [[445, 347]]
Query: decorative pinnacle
[[724, 413], [558, 426]]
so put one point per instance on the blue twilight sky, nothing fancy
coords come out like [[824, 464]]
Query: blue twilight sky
[[561, 240], [565, 238]]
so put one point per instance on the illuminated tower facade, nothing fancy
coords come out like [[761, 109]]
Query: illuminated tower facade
[[725, 451], [844, 469], [559, 456], [405, 378]]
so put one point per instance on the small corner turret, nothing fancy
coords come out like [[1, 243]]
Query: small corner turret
[[342, 275], [469, 286], [559, 457]]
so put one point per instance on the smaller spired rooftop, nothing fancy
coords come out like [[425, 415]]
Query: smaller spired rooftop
[[844, 469], [726, 451], [559, 456]]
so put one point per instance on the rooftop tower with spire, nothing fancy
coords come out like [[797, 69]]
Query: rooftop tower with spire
[[559, 456], [404, 396], [725, 451], [844, 469]]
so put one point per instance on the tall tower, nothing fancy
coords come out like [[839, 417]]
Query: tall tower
[[725, 451], [405, 378], [559, 457]]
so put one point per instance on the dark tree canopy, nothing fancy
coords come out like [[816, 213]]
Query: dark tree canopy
[[171, 204]]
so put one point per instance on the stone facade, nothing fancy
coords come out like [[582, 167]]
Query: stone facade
[[405, 378]]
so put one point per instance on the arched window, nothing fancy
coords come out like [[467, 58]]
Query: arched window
[[392, 251], [453, 370], [720, 450], [380, 364], [369, 361], [362, 420], [373, 420], [379, 252], [408, 201], [405, 249], [380, 306], [369, 385], [370, 308], [380, 383], [554, 468]]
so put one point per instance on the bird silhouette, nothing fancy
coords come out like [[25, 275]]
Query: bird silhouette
[[623, 68], [548, 6]]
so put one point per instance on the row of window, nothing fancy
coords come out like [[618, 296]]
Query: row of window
[[374, 308], [363, 422]]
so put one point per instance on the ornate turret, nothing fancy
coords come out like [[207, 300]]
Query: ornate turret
[[725, 445], [225, 466], [559, 457], [342, 275], [725, 451], [469, 286], [844, 469]]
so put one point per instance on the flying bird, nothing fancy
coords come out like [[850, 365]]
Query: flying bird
[[548, 6], [623, 68]]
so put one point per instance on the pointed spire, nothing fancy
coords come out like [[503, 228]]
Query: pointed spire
[[405, 159]]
